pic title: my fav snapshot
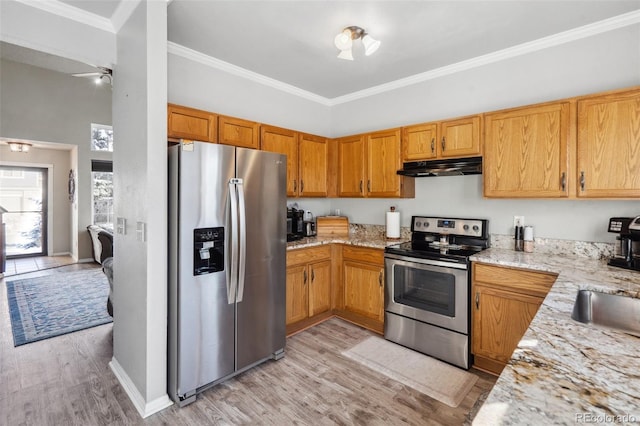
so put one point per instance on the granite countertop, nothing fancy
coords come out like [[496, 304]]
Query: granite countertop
[[563, 371], [372, 236]]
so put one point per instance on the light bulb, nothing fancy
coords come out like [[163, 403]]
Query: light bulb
[[370, 44], [343, 40], [346, 54]]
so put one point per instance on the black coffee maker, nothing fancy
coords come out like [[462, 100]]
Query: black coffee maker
[[627, 252], [295, 224]]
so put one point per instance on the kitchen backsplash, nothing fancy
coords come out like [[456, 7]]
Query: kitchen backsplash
[[550, 246]]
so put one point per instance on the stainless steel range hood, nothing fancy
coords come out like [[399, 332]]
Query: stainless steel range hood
[[448, 167]]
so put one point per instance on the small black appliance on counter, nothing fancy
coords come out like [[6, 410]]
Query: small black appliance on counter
[[627, 253], [295, 224]]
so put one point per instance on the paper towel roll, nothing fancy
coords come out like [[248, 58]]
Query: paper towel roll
[[393, 224]]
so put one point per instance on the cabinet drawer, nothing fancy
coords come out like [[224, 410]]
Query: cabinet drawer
[[307, 255], [521, 280], [363, 254]]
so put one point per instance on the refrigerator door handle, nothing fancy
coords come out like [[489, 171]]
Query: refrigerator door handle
[[242, 252], [232, 270]]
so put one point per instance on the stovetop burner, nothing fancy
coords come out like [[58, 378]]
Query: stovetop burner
[[444, 239]]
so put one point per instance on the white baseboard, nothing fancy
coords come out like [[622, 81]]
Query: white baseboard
[[87, 260], [145, 409], [62, 253]]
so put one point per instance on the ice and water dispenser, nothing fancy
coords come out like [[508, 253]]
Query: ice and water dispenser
[[208, 250]]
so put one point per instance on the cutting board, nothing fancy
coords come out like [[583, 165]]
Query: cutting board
[[332, 226]]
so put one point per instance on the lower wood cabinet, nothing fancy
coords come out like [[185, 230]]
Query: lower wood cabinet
[[308, 287], [504, 301], [361, 298]]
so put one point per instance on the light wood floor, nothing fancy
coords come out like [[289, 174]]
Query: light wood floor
[[66, 380]]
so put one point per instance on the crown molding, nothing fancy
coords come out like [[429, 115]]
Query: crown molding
[[574, 34], [122, 13], [65, 10], [185, 52]]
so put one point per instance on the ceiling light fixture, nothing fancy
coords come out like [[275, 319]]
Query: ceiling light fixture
[[19, 146], [344, 42]]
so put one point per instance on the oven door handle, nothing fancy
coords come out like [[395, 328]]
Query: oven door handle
[[418, 260]]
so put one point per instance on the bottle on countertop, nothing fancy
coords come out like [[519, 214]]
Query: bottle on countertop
[[528, 239], [519, 238]]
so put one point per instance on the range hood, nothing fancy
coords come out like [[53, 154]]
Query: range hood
[[449, 167]]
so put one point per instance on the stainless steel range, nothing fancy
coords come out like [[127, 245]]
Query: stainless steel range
[[427, 306]]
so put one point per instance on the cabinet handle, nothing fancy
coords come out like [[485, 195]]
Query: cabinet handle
[[477, 300], [563, 181], [368, 186], [295, 186], [433, 145], [304, 274], [361, 187], [313, 275], [380, 278], [301, 186], [582, 181], [443, 143]]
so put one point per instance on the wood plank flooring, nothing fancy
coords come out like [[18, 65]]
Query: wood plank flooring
[[66, 380]]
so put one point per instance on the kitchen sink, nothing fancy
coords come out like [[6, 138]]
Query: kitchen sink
[[608, 310]]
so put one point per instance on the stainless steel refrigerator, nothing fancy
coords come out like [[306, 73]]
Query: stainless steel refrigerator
[[227, 248]]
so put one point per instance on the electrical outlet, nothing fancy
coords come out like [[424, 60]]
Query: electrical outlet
[[518, 221]]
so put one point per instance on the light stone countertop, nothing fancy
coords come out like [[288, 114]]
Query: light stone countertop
[[563, 371], [372, 236]]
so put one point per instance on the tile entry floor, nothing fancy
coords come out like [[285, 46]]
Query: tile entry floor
[[25, 265]]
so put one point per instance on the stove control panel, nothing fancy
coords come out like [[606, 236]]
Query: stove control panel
[[441, 225]]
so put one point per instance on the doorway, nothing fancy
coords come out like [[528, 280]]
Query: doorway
[[23, 194]]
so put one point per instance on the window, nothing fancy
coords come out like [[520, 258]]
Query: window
[[101, 137], [102, 193]]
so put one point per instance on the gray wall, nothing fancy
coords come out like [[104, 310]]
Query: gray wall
[[44, 105], [140, 184], [59, 207]]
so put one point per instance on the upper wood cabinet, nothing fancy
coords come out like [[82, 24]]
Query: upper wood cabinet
[[307, 159], [283, 141], [238, 132], [313, 165], [609, 145], [351, 166], [368, 166], [526, 152], [461, 137], [190, 123]]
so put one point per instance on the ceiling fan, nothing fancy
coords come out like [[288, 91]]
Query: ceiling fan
[[100, 76]]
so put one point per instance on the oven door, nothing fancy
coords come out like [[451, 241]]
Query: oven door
[[431, 291]]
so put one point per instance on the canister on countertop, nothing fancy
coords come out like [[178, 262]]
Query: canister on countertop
[[528, 239], [519, 238]]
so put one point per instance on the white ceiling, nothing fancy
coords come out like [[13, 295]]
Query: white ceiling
[[291, 42]]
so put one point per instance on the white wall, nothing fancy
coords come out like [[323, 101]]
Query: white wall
[[607, 61], [30, 27], [199, 86], [44, 105], [140, 182]]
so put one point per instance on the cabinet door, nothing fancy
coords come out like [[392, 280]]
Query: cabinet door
[[319, 287], [314, 163], [525, 152], [419, 142], [238, 132], [383, 162], [283, 141], [500, 319], [363, 289], [189, 123], [351, 170], [609, 145], [297, 294], [460, 138]]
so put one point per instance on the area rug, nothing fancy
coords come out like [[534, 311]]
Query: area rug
[[433, 378], [57, 304]]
